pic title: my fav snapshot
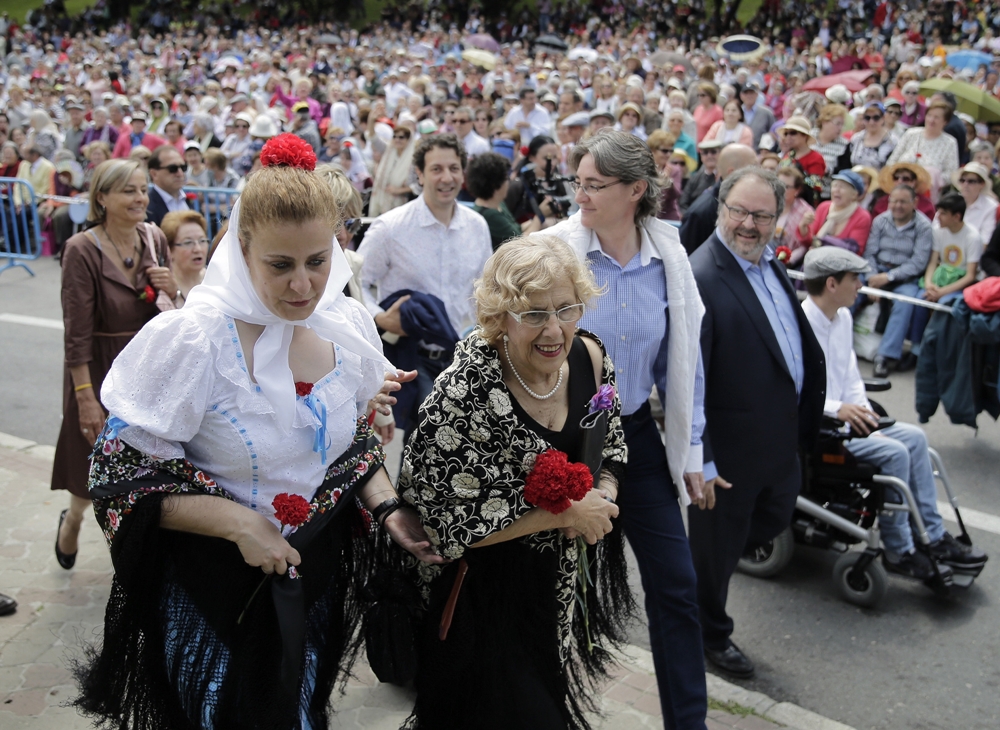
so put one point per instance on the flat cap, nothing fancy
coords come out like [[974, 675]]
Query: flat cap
[[579, 119], [831, 260]]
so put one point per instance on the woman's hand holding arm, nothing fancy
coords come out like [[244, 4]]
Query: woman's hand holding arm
[[259, 540]]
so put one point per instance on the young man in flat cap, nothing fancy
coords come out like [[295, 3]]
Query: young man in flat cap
[[832, 282]]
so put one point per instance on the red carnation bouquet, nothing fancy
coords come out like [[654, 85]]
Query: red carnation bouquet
[[287, 150], [554, 482]]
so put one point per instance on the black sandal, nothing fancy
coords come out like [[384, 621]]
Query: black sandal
[[7, 605], [66, 561]]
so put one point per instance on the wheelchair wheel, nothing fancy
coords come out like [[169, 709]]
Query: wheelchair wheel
[[866, 590], [770, 559]]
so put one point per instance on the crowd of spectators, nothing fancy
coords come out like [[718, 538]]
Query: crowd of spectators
[[195, 101]]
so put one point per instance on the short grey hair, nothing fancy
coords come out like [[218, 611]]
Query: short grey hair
[[777, 187], [626, 157]]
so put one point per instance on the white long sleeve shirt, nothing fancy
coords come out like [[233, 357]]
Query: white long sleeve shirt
[[843, 378], [538, 118]]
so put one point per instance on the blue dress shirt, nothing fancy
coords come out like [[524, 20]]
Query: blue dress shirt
[[633, 322], [778, 308]]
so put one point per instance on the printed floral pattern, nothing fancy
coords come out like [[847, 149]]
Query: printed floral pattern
[[116, 463]]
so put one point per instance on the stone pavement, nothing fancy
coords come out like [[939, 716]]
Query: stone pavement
[[60, 610]]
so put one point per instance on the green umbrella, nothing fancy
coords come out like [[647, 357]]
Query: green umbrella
[[980, 105]]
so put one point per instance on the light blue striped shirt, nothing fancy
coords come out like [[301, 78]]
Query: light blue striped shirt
[[779, 310], [632, 320]]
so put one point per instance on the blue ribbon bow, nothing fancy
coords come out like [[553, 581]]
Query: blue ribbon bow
[[318, 409], [113, 426]]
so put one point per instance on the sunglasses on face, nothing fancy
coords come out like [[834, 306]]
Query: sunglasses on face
[[875, 118], [174, 169], [970, 181]]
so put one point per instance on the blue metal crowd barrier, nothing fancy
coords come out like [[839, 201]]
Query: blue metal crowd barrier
[[19, 226], [213, 203]]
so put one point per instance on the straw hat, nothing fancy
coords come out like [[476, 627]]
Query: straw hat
[[629, 106], [689, 161], [872, 174], [975, 168], [800, 125], [886, 182]]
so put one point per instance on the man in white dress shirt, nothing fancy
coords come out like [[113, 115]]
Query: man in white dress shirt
[[832, 282], [430, 245], [529, 118]]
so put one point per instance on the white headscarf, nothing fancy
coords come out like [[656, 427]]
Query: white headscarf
[[227, 287]]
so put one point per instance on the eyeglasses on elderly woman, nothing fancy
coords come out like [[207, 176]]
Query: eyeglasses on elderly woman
[[539, 318]]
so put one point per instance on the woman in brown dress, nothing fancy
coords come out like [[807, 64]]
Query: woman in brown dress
[[106, 298]]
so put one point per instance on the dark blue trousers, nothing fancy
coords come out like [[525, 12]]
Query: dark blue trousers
[[651, 517]]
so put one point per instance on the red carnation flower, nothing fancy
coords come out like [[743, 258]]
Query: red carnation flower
[[524, 152], [191, 196], [554, 482], [289, 151], [303, 389], [148, 294], [783, 253], [290, 509]]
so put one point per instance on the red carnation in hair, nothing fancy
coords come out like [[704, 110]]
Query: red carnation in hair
[[289, 151], [555, 481], [524, 152]]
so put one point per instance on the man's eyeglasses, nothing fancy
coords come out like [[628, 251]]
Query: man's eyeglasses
[[760, 218], [173, 169], [590, 189], [872, 118], [192, 242], [539, 318]]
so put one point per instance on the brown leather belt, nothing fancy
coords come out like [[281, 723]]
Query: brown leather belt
[[115, 334]]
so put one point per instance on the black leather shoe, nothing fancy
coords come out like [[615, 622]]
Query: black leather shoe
[[7, 605], [66, 561], [731, 660], [951, 552], [880, 367], [906, 363], [913, 564]]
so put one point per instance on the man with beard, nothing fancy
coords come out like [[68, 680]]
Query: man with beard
[[765, 382]]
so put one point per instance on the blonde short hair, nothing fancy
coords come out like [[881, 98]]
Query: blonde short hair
[[283, 195], [829, 112], [661, 138], [349, 201], [111, 176], [521, 267]]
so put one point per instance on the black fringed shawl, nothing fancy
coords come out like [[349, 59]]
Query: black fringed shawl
[[464, 469], [242, 638]]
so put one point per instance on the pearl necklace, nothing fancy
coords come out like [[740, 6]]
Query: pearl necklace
[[524, 385]]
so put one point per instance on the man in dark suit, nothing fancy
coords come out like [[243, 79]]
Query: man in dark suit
[[167, 174], [765, 385], [699, 220]]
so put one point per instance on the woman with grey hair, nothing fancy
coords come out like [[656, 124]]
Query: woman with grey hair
[[510, 636], [650, 321], [43, 133]]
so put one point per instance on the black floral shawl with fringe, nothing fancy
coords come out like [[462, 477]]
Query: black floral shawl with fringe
[[243, 638], [464, 470]]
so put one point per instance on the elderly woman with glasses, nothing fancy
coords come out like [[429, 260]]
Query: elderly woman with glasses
[[650, 321], [514, 629], [187, 237], [872, 144]]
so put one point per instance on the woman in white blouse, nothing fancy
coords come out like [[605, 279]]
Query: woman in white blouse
[[930, 146], [237, 456]]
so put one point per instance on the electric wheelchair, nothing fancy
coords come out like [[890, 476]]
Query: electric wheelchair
[[839, 506]]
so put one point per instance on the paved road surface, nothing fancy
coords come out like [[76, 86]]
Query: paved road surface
[[917, 663]]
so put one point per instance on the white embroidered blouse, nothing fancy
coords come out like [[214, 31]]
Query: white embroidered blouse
[[183, 388]]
